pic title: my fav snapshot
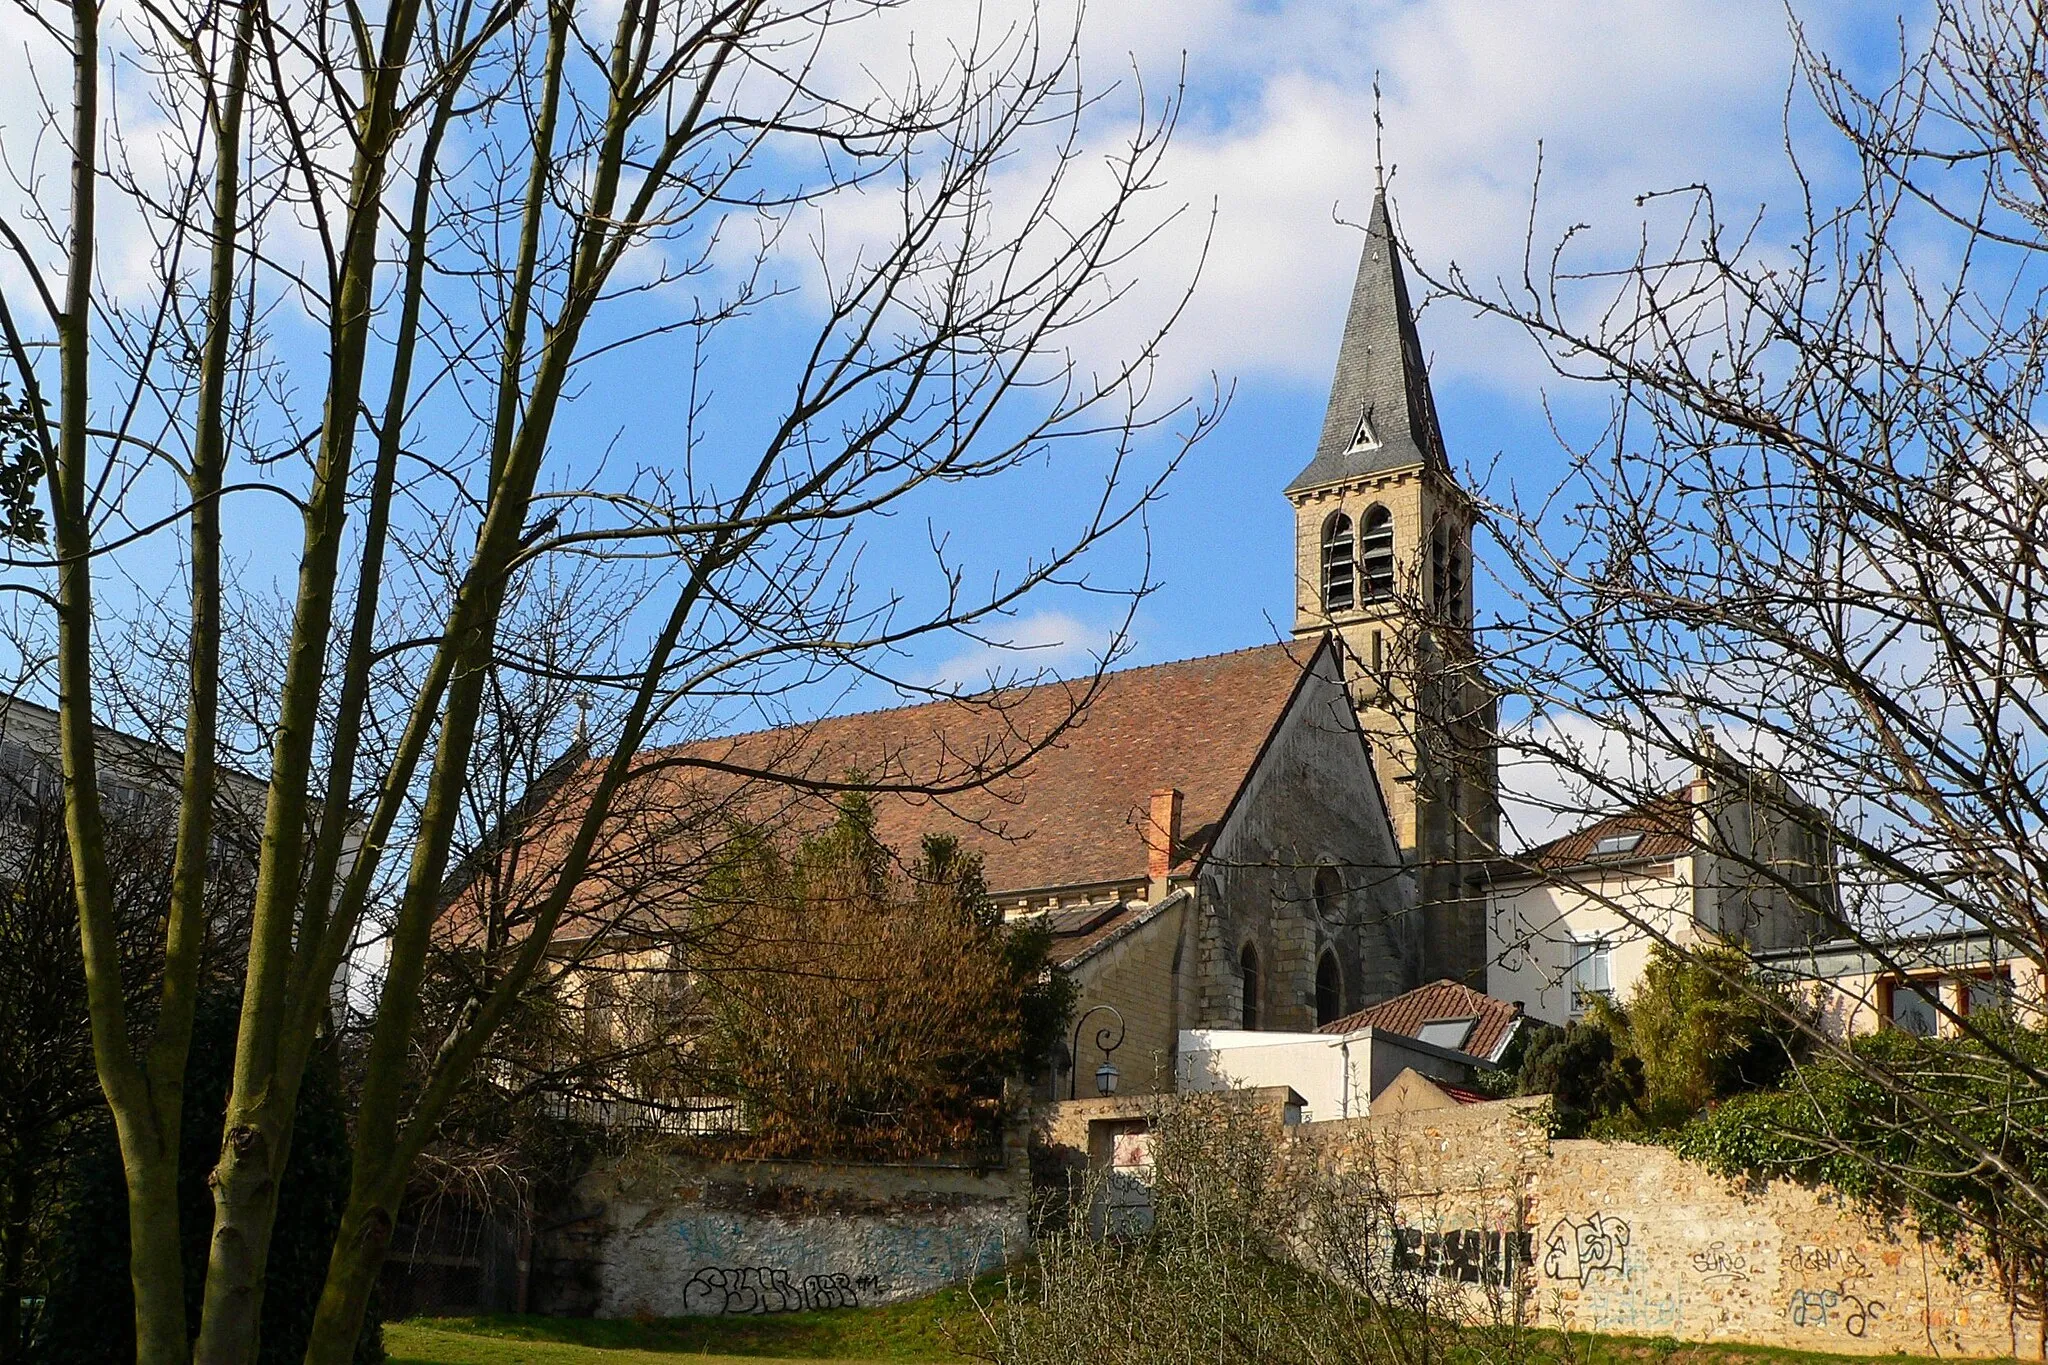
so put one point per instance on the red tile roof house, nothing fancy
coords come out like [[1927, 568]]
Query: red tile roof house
[[1728, 857], [1209, 840]]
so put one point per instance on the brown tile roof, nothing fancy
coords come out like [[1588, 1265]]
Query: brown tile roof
[[1071, 814], [1406, 1014], [1665, 822], [1079, 931]]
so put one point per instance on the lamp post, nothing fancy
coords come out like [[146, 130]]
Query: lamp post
[[1108, 1039]]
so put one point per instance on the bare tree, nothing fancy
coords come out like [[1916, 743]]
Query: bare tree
[[1808, 541], [382, 255]]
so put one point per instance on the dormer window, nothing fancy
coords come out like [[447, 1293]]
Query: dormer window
[[1365, 438], [1340, 591], [1376, 554], [1617, 845]]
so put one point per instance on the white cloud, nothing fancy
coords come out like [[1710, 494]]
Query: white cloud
[[1046, 641]]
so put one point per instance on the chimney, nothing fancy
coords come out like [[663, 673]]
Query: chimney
[[1162, 838]]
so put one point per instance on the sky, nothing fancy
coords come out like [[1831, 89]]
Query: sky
[[1279, 141], [1291, 112]]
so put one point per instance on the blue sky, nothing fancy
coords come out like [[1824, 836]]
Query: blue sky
[[1274, 166], [1278, 137]]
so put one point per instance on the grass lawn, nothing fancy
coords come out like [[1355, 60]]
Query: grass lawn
[[923, 1330], [920, 1330]]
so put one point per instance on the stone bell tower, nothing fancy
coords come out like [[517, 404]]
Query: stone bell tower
[[1383, 556]]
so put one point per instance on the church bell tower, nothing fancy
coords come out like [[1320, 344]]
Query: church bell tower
[[1383, 557]]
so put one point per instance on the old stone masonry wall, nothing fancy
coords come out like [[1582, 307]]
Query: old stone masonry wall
[[1625, 1238], [672, 1237], [1633, 1239]]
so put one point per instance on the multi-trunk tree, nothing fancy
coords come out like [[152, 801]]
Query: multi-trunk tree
[[329, 298]]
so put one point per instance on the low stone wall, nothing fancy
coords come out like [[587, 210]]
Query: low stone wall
[[1627, 1238], [669, 1237]]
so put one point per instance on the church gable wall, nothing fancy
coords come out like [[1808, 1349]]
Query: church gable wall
[[1310, 803]]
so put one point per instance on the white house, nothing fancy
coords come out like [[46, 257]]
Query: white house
[[1444, 1031], [1721, 858]]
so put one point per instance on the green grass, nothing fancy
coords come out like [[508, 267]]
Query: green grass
[[919, 1330], [922, 1330]]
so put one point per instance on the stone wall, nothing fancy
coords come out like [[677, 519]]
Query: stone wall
[[1631, 1239], [1136, 975], [670, 1236]]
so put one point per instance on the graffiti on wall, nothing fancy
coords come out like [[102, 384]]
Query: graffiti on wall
[[1833, 1308], [1467, 1255], [1584, 1249], [1718, 1264], [765, 1289]]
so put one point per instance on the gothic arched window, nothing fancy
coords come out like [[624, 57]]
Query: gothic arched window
[[1329, 989], [1248, 979], [1339, 592], [1376, 554]]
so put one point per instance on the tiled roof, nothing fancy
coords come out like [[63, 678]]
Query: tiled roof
[[1462, 1094], [1665, 822], [1072, 814], [1381, 377], [1077, 932], [1494, 1020]]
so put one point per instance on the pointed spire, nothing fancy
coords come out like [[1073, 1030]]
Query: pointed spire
[[1381, 413]]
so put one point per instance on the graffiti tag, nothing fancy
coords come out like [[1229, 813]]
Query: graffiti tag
[[1842, 1261], [1579, 1251], [1718, 1265], [764, 1289], [1468, 1256], [1832, 1308]]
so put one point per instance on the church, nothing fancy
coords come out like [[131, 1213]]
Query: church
[[1274, 838]]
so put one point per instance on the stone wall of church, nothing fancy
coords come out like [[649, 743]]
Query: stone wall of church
[[1312, 804], [1135, 976]]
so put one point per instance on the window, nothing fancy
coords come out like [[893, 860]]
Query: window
[[1987, 994], [1450, 1033], [1329, 892], [1591, 972], [1376, 554], [1339, 580], [1447, 573], [1364, 438], [1248, 981], [1329, 989], [1617, 845], [1912, 1008]]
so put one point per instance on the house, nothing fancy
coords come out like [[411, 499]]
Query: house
[[1921, 983], [1732, 856], [1444, 1031], [139, 782]]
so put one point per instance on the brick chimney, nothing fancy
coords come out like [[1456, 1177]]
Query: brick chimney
[[1162, 837]]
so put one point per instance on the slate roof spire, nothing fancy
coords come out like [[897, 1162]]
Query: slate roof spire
[[1381, 414]]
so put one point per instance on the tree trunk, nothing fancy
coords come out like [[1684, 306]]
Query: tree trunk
[[21, 1187], [359, 1251]]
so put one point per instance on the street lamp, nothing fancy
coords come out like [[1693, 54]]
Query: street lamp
[[1108, 1039]]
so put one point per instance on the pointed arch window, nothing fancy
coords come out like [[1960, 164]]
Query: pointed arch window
[[1376, 554], [1248, 980], [1447, 574], [1339, 577], [1329, 989]]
